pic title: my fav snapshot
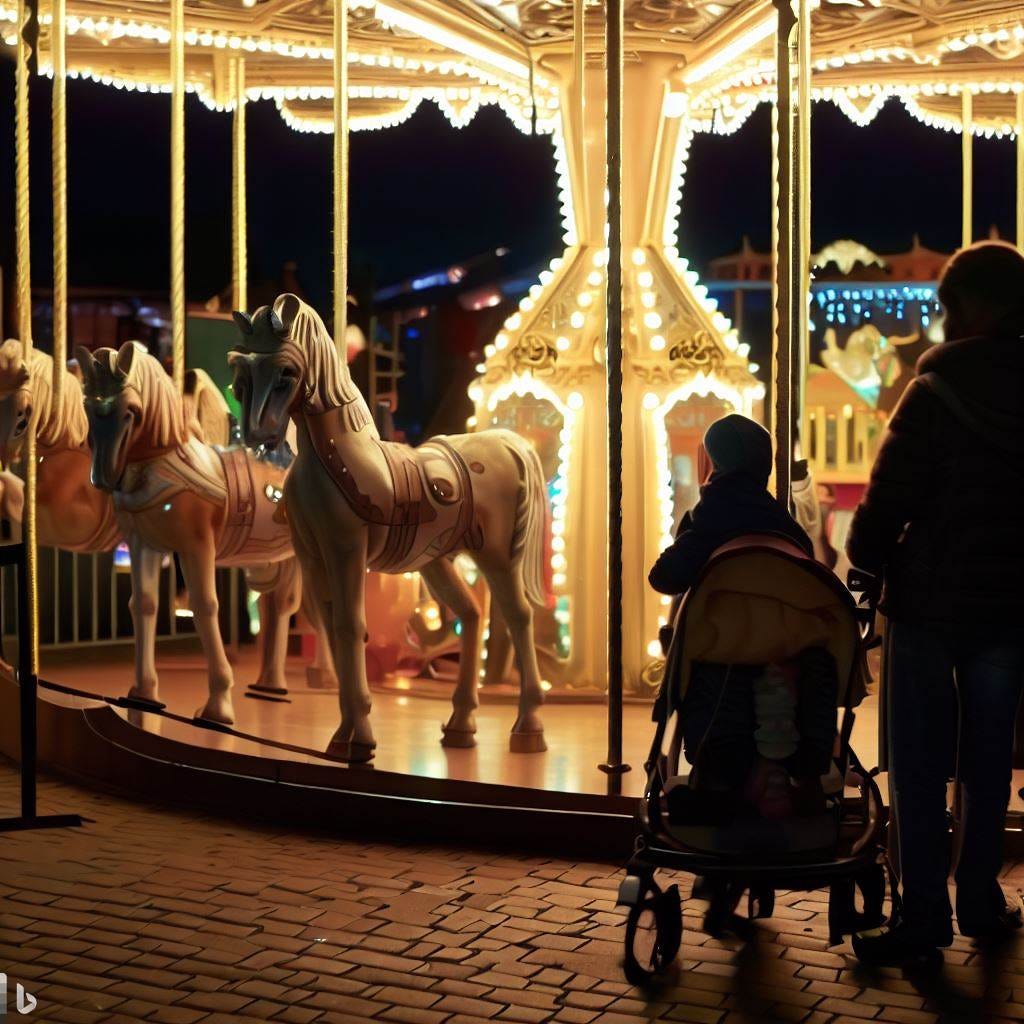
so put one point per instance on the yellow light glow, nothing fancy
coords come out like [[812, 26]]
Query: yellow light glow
[[575, 401], [562, 343], [649, 300], [594, 278], [657, 342], [654, 648], [639, 257], [577, 320], [724, 56], [652, 320], [501, 342], [645, 279], [584, 299], [650, 400]]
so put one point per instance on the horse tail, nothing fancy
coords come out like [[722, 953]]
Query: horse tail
[[533, 515]]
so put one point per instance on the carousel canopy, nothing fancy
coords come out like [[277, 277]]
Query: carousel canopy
[[462, 54]]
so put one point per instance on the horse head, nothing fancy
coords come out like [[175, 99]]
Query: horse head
[[15, 399], [269, 370], [113, 407]]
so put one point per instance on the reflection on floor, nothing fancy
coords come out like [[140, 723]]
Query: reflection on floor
[[408, 728]]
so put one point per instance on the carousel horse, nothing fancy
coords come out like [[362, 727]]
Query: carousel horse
[[174, 493], [356, 502]]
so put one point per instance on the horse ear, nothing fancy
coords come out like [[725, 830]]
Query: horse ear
[[287, 309], [277, 326], [125, 359], [86, 363], [242, 321]]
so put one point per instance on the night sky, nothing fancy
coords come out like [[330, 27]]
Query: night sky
[[425, 194]]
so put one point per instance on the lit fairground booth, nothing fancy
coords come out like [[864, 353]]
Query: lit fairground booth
[[488, 652]]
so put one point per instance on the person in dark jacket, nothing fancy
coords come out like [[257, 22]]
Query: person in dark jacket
[[734, 502], [940, 524]]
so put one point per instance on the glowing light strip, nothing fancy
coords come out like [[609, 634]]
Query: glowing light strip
[[443, 37], [731, 51]]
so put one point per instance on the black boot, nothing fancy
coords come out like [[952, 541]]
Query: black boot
[[1003, 924], [902, 945]]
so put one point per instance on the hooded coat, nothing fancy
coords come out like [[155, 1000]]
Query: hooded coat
[[734, 502], [941, 518]]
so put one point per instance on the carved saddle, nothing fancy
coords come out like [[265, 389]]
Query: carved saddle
[[422, 497]]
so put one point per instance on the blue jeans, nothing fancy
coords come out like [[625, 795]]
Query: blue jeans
[[928, 670]]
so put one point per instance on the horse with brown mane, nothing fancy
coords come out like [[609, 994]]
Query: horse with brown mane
[[356, 502]]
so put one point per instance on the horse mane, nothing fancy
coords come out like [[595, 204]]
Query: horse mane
[[328, 384], [163, 416], [56, 428]]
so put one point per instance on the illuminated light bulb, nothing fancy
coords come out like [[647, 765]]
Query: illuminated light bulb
[[546, 277], [654, 648], [476, 395], [480, 367], [513, 322], [594, 278], [545, 685], [471, 422], [558, 580], [501, 341], [652, 320], [650, 400], [731, 341], [562, 344], [639, 257], [753, 367], [666, 599], [489, 351], [645, 279], [526, 304], [657, 342], [575, 401], [584, 299], [743, 350], [577, 320], [601, 257], [558, 561], [848, 412], [649, 299], [557, 543]]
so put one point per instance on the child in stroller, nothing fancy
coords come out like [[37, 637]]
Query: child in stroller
[[757, 736]]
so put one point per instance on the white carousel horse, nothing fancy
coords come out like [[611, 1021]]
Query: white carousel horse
[[173, 492], [357, 503]]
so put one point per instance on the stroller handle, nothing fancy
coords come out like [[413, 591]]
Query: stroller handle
[[866, 588]]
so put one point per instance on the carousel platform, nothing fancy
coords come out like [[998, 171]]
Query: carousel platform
[[270, 767]]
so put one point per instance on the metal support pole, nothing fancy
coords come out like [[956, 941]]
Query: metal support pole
[[340, 172], [1019, 130], [787, 244], [239, 259], [967, 138], [178, 191], [60, 200], [579, 72], [802, 211], [613, 370]]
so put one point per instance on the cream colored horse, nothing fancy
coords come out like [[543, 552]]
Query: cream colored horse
[[173, 492], [356, 503]]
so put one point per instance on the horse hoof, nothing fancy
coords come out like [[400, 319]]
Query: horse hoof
[[360, 753], [147, 695], [527, 742], [216, 713], [457, 738]]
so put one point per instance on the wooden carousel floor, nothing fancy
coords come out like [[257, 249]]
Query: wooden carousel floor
[[407, 726]]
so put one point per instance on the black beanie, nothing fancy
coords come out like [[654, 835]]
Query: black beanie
[[736, 444]]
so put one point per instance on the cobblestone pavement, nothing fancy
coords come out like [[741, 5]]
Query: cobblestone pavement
[[173, 917]]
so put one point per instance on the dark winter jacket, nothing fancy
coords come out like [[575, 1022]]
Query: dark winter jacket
[[941, 517], [731, 505]]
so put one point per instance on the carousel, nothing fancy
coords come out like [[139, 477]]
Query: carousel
[[515, 554]]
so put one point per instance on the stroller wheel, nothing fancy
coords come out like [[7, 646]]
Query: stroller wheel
[[654, 932]]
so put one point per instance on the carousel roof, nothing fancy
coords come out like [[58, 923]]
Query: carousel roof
[[462, 54]]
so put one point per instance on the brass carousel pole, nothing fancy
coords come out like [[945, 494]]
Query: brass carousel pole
[[23, 555], [178, 191], [60, 200], [613, 371], [967, 139], [239, 259], [340, 171], [1019, 130], [785, 315], [802, 207]]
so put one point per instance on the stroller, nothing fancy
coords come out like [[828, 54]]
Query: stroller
[[760, 600]]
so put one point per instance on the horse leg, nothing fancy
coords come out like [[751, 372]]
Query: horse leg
[[320, 672], [144, 605], [277, 606], [346, 577], [201, 580], [508, 592], [447, 586]]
